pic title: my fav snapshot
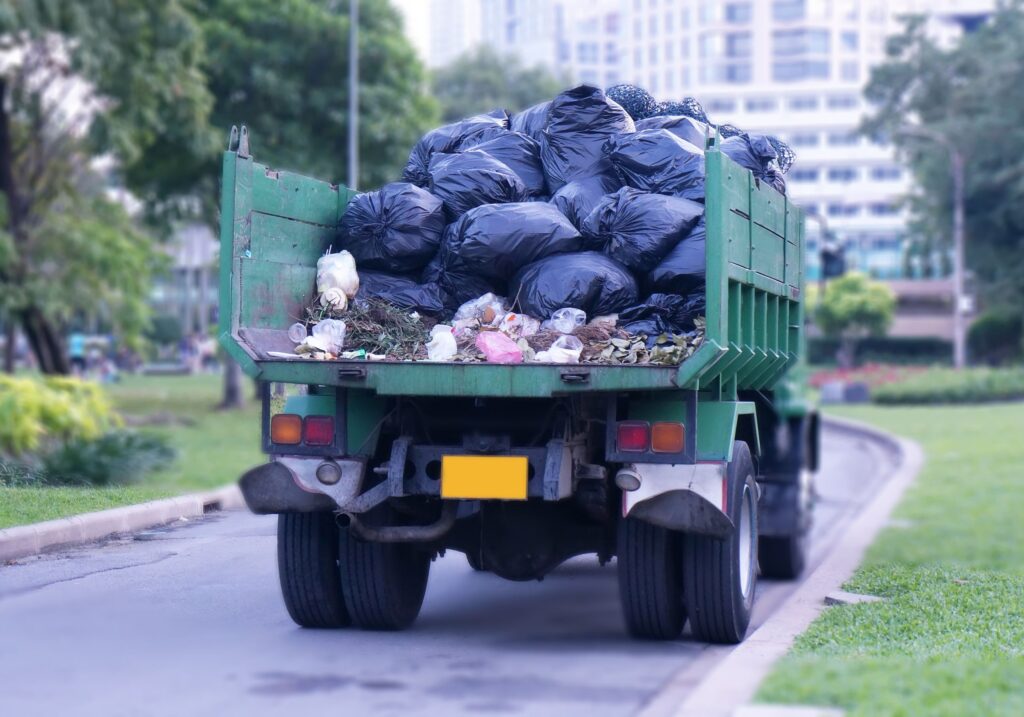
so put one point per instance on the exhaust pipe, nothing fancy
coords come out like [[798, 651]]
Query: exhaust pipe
[[404, 533]]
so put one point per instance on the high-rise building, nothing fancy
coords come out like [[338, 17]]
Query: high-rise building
[[456, 26]]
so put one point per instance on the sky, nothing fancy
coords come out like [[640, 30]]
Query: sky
[[417, 23]]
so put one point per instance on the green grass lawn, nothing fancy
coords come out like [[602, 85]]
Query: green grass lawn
[[214, 447], [950, 638]]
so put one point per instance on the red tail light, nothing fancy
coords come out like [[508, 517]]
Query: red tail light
[[318, 430], [633, 436]]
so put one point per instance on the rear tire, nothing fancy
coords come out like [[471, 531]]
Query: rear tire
[[476, 561], [782, 557], [650, 580], [720, 575], [383, 583], [307, 563]]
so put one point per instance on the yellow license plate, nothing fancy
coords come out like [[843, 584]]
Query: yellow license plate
[[484, 477]]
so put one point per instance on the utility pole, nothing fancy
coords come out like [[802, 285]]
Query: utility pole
[[956, 167], [353, 95]]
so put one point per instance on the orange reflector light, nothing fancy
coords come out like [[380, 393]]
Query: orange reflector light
[[633, 436], [319, 430], [286, 428], [668, 437]]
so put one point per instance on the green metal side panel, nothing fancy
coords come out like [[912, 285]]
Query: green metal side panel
[[309, 405], [716, 428]]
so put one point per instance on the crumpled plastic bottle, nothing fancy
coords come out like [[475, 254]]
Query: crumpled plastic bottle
[[442, 346], [566, 320]]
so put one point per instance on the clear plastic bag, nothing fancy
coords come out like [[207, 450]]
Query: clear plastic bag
[[566, 320], [488, 309], [566, 349]]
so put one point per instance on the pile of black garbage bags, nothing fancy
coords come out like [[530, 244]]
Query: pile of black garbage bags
[[582, 202]]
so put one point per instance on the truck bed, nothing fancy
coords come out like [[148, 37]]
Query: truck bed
[[275, 225]]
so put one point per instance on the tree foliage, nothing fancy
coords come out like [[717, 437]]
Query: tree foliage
[[853, 307], [972, 94], [482, 80]]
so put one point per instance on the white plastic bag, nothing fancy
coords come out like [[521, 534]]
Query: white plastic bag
[[518, 325], [328, 336], [566, 320], [566, 349], [336, 279], [442, 346]]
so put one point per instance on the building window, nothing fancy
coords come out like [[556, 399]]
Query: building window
[[737, 13], [803, 104], [883, 209], [652, 25], [669, 18], [843, 139], [785, 10], [611, 53], [638, 57], [652, 54], [886, 174], [850, 72], [611, 78], [722, 105], [738, 45], [842, 174], [760, 104], [794, 71], [588, 77], [843, 210], [638, 29], [653, 87], [670, 51], [787, 43], [805, 175], [850, 40], [669, 80], [611, 23], [804, 139], [843, 102]]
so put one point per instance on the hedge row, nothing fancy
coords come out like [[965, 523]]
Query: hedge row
[[939, 385]]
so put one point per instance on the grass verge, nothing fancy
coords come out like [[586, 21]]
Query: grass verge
[[950, 638], [214, 447]]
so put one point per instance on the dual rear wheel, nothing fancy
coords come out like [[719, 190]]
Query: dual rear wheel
[[331, 579], [666, 577]]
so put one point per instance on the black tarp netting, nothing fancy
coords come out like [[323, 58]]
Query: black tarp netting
[[397, 228], [637, 101], [657, 161], [682, 270], [452, 137], [687, 107], [471, 179], [579, 197], [639, 229], [496, 240], [522, 155], [592, 282], [580, 121], [402, 291]]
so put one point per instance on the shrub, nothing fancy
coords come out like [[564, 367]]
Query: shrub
[[37, 412], [997, 337], [115, 458], [948, 386]]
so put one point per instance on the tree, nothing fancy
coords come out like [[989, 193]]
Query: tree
[[281, 67], [972, 95], [482, 80], [853, 307], [113, 77]]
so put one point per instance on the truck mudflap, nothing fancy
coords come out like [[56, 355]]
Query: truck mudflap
[[687, 498], [293, 484]]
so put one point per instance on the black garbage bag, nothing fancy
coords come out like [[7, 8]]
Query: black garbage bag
[[402, 291], [470, 179], [397, 228], [450, 138], [590, 281], [687, 107], [756, 153], [682, 270], [522, 155], [638, 229], [683, 127], [655, 160], [532, 120], [455, 288], [663, 314], [496, 240], [637, 101], [580, 121], [577, 199]]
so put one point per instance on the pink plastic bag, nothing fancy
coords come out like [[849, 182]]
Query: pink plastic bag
[[498, 348]]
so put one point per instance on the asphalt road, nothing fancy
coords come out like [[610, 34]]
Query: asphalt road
[[189, 621]]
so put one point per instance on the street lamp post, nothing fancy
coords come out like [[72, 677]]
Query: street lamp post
[[956, 166], [353, 94]]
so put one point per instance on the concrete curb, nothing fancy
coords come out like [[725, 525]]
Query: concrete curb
[[733, 682], [24, 540]]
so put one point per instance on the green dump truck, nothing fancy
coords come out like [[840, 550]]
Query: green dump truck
[[695, 478]]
